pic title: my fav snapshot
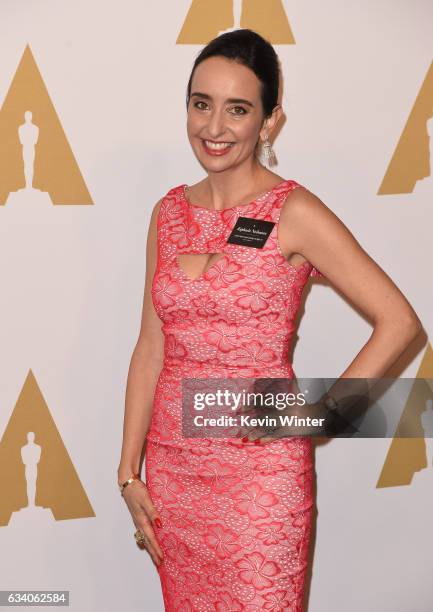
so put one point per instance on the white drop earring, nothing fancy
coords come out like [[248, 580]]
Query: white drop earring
[[267, 154]]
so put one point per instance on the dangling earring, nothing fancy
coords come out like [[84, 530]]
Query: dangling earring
[[267, 154]]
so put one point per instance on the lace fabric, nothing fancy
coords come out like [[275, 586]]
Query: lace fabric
[[236, 516]]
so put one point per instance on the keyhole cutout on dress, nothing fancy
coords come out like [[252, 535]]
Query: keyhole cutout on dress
[[194, 265]]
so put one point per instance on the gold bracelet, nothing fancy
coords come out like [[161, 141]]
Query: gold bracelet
[[127, 482]]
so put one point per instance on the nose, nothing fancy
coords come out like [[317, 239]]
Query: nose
[[216, 124]]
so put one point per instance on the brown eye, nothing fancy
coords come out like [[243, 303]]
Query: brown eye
[[241, 109], [199, 102]]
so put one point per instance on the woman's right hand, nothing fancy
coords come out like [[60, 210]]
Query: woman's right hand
[[144, 514]]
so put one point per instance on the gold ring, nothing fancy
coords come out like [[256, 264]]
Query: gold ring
[[140, 538]]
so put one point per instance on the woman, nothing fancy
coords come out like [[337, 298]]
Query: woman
[[227, 522]]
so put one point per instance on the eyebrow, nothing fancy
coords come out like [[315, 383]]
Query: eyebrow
[[231, 100]]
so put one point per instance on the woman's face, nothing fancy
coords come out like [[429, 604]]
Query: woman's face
[[225, 107]]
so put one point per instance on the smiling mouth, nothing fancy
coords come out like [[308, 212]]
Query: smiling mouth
[[217, 146]]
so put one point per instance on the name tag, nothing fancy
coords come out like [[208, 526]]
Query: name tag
[[250, 232]]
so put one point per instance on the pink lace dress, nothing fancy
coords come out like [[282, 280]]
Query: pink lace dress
[[236, 517]]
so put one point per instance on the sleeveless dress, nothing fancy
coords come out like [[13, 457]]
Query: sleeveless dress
[[236, 517]]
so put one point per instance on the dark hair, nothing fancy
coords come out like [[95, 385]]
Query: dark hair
[[252, 50]]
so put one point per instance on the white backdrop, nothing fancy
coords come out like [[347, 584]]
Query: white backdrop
[[72, 279]]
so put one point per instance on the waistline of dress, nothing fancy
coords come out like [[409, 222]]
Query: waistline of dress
[[188, 370]]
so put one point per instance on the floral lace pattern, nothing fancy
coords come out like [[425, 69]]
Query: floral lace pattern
[[236, 517]]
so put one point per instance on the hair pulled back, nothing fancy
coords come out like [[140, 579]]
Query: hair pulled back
[[252, 50]]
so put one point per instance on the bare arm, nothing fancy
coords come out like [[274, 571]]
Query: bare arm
[[313, 230], [146, 363]]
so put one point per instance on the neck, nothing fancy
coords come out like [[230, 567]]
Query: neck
[[237, 185]]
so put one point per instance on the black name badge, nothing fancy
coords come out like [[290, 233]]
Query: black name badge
[[250, 232]]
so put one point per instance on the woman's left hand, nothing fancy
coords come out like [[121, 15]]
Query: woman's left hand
[[268, 432]]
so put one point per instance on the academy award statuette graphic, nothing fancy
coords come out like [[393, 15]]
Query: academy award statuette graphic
[[38, 167], [38, 479]]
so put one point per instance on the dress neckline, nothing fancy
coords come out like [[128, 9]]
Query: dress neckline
[[259, 198]]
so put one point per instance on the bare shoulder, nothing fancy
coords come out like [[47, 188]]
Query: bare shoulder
[[304, 216], [317, 233], [155, 213], [152, 233], [157, 207], [301, 204]]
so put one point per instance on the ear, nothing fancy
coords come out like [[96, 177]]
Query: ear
[[270, 122]]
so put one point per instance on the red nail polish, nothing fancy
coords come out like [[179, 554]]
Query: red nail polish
[[257, 441], [245, 439], [158, 522]]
